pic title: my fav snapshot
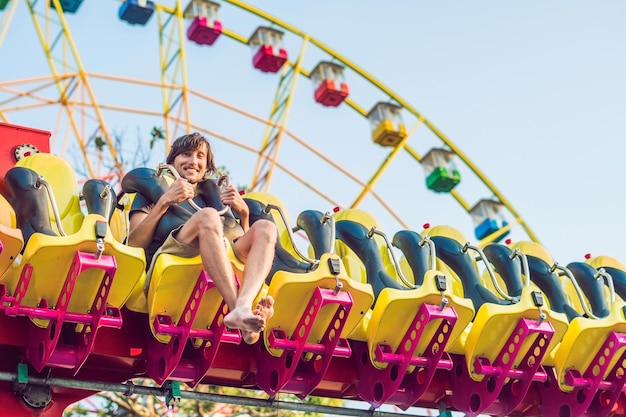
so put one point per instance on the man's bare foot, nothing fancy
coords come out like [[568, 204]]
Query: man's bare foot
[[264, 309], [245, 320]]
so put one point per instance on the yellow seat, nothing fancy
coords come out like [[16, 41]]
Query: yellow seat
[[395, 309], [292, 291], [57, 172], [283, 234], [584, 340], [494, 323], [42, 251], [11, 238], [171, 285], [354, 267], [311, 322]]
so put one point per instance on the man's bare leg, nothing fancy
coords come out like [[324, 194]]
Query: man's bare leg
[[205, 231], [257, 245]]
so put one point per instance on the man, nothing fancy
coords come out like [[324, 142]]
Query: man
[[203, 234]]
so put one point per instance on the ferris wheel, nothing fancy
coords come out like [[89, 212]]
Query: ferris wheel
[[286, 113]]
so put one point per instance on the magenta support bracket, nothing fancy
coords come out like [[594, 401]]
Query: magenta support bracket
[[593, 395], [473, 398], [163, 358], [311, 359], [44, 348], [377, 386]]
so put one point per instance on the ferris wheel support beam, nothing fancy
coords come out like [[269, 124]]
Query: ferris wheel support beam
[[61, 86], [66, 34], [278, 118], [174, 83], [368, 187]]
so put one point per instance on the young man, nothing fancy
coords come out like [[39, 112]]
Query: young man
[[203, 234]]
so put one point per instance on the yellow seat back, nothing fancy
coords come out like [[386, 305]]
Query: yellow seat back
[[283, 234], [57, 172], [354, 266], [7, 214], [10, 237], [451, 233]]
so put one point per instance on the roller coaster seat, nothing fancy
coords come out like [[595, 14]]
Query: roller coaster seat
[[42, 251], [354, 266], [454, 234], [289, 290], [616, 269], [62, 178], [46, 249], [10, 237], [283, 234]]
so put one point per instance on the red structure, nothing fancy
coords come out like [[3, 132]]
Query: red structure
[[18, 141]]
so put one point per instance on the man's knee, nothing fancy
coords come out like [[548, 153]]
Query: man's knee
[[207, 220], [264, 230]]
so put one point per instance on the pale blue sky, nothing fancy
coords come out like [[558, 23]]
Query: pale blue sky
[[533, 92]]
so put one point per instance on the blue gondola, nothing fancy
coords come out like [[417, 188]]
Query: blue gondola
[[136, 12]]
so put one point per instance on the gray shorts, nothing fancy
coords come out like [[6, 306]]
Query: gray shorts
[[173, 246]]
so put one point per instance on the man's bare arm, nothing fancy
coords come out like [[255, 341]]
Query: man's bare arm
[[142, 226]]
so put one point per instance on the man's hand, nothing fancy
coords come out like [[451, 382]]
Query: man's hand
[[230, 196], [179, 191]]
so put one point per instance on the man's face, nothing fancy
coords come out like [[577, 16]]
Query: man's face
[[191, 165]]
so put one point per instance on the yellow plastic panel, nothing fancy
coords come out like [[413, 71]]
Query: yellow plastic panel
[[172, 282], [354, 266], [119, 221], [494, 323], [266, 199], [57, 172], [582, 341], [11, 238], [292, 292], [12, 243], [395, 310], [446, 231], [7, 214], [52, 256], [533, 249], [600, 261]]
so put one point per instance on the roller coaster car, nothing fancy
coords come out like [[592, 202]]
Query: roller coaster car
[[89, 297], [501, 353], [403, 340], [585, 371]]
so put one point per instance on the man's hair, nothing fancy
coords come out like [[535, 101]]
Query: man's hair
[[192, 142]]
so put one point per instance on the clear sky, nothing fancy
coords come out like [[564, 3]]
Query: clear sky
[[533, 92]]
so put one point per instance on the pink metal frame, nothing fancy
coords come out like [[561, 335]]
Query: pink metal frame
[[164, 358], [592, 393], [474, 397], [44, 349], [278, 373], [376, 386]]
